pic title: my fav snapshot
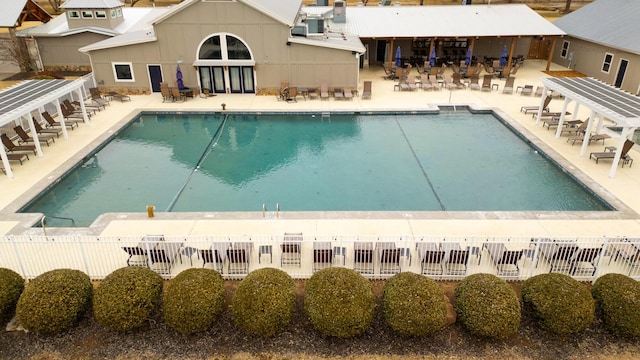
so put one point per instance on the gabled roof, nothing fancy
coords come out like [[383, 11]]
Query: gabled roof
[[442, 21], [11, 10], [92, 4], [284, 11], [612, 23]]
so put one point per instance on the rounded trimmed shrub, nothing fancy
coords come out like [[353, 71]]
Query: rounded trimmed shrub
[[339, 302], [193, 300], [11, 286], [487, 306], [560, 303], [263, 302], [54, 301], [618, 300], [127, 297], [413, 304]]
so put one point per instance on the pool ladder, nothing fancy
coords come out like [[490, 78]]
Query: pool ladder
[[43, 222], [264, 210]]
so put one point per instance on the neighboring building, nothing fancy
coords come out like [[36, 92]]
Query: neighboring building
[[602, 42], [251, 46]]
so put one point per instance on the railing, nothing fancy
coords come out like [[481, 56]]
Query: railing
[[376, 257]]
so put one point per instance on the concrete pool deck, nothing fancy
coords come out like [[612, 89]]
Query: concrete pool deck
[[36, 173]]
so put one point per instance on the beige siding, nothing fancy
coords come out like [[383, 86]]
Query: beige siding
[[62, 52], [139, 55], [588, 59]]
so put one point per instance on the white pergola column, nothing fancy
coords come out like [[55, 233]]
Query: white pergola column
[[540, 110], [5, 162], [84, 108], [587, 134], [565, 104], [59, 110], [34, 135]]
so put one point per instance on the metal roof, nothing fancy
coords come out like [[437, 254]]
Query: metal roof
[[92, 4], [442, 21], [11, 10], [613, 23]]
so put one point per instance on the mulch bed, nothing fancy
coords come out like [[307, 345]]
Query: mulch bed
[[29, 75], [565, 73], [88, 340]]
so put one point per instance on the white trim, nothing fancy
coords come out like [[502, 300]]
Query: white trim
[[103, 14], [604, 62], [86, 14], [618, 71], [224, 52], [75, 13], [115, 75]]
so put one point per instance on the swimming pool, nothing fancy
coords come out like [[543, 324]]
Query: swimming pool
[[454, 161]]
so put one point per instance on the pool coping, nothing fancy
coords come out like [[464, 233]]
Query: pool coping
[[28, 220]]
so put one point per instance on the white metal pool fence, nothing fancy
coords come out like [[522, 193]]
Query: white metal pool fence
[[375, 257]]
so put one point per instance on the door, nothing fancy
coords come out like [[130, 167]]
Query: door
[[155, 77], [381, 51], [621, 70], [241, 79]]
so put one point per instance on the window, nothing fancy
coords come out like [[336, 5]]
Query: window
[[119, 12], [565, 49], [606, 65], [236, 49], [101, 14], [87, 14], [73, 14], [113, 13], [123, 72], [210, 49]]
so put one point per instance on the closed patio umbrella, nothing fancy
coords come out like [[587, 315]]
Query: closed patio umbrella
[[467, 59], [398, 57], [179, 78], [432, 57], [503, 56]]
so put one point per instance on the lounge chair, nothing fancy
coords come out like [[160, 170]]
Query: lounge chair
[[474, 82], [390, 73], [11, 147], [324, 91], [20, 157], [390, 261], [40, 130], [366, 92], [486, 82], [52, 123], [25, 138], [559, 255], [291, 249], [515, 69], [490, 71], [449, 84], [72, 108], [425, 83], [338, 94], [539, 91], [121, 97], [434, 81], [348, 93], [71, 115], [527, 90], [137, 255], [593, 137], [569, 126], [441, 71], [166, 94], [585, 260], [238, 258], [456, 263], [628, 144], [508, 85], [545, 106], [293, 94], [363, 257], [97, 97], [431, 258]]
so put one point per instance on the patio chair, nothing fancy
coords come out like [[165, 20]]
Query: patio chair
[[291, 252], [539, 91], [390, 73], [161, 261], [338, 94], [390, 261], [123, 97], [505, 261], [71, 108], [508, 85], [628, 144], [559, 255], [527, 90], [324, 91], [12, 147], [486, 82], [366, 92], [292, 94], [52, 123], [70, 115], [137, 256], [490, 71], [348, 93], [40, 130], [449, 84], [177, 95], [20, 157], [166, 93], [585, 260], [322, 256], [534, 108], [431, 259], [363, 257], [574, 127], [441, 71], [212, 256], [434, 81], [506, 71], [25, 138], [457, 80], [515, 69], [238, 261]]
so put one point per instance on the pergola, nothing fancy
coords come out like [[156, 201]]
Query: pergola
[[603, 100], [19, 101]]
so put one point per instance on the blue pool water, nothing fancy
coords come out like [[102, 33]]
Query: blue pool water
[[453, 161]]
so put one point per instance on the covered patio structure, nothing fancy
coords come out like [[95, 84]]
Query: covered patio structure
[[19, 101], [603, 100]]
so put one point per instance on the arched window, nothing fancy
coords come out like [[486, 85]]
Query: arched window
[[225, 64], [225, 47]]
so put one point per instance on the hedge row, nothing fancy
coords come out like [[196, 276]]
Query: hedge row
[[339, 302]]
